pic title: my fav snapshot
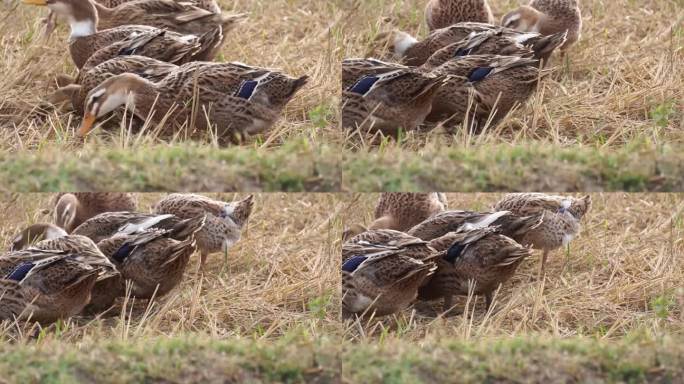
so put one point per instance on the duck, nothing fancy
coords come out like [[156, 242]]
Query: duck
[[75, 93], [481, 258], [207, 5], [236, 107], [379, 281], [109, 224], [72, 209], [56, 284], [402, 211], [386, 100], [154, 260], [13, 301], [413, 247], [444, 13], [561, 222], [224, 224], [109, 285], [413, 52], [498, 42], [508, 223], [35, 233], [85, 39], [548, 17], [497, 85]]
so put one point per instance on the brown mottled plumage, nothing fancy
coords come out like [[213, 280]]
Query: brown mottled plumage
[[445, 13], [57, 284], [402, 211], [222, 99], [482, 259], [108, 224], [380, 280], [154, 260], [384, 96], [72, 209], [561, 223], [413, 247], [36, 233], [86, 40], [548, 17], [511, 225], [505, 82], [12, 300], [224, 224]]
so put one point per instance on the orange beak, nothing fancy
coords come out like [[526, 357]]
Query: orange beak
[[86, 125]]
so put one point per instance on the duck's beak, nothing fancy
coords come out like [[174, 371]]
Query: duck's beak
[[86, 125], [41, 3]]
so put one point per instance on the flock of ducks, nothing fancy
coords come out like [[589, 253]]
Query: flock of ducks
[[154, 57], [101, 248], [466, 71], [416, 249]]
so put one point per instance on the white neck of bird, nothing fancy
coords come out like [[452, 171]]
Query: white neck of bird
[[82, 28]]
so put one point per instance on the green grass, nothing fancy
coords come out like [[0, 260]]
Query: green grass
[[539, 167], [295, 166], [302, 358]]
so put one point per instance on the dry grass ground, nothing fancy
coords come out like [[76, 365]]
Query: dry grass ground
[[295, 36], [618, 279], [621, 90]]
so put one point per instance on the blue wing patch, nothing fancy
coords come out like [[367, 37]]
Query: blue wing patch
[[479, 74], [246, 89], [364, 85], [122, 253], [454, 252], [19, 273], [351, 264]]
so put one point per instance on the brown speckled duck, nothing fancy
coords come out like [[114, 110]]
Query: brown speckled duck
[[481, 258], [224, 224], [402, 211], [445, 13], [561, 220], [85, 38], [380, 280], [412, 246], [508, 223], [109, 224], [154, 260], [34, 234], [548, 17], [72, 209]]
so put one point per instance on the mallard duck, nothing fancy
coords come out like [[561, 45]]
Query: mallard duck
[[481, 258], [235, 106], [145, 67], [548, 17], [154, 260], [445, 13], [85, 39], [560, 224], [13, 302], [385, 99], [109, 284], [35, 233], [498, 42], [402, 211], [109, 224], [510, 224], [72, 209], [380, 280], [224, 224], [55, 283], [413, 247], [497, 84], [414, 52]]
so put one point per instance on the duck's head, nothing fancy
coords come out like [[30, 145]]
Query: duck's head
[[66, 210], [81, 14], [523, 19], [581, 206], [35, 233], [105, 98], [396, 42], [239, 211], [273, 89]]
